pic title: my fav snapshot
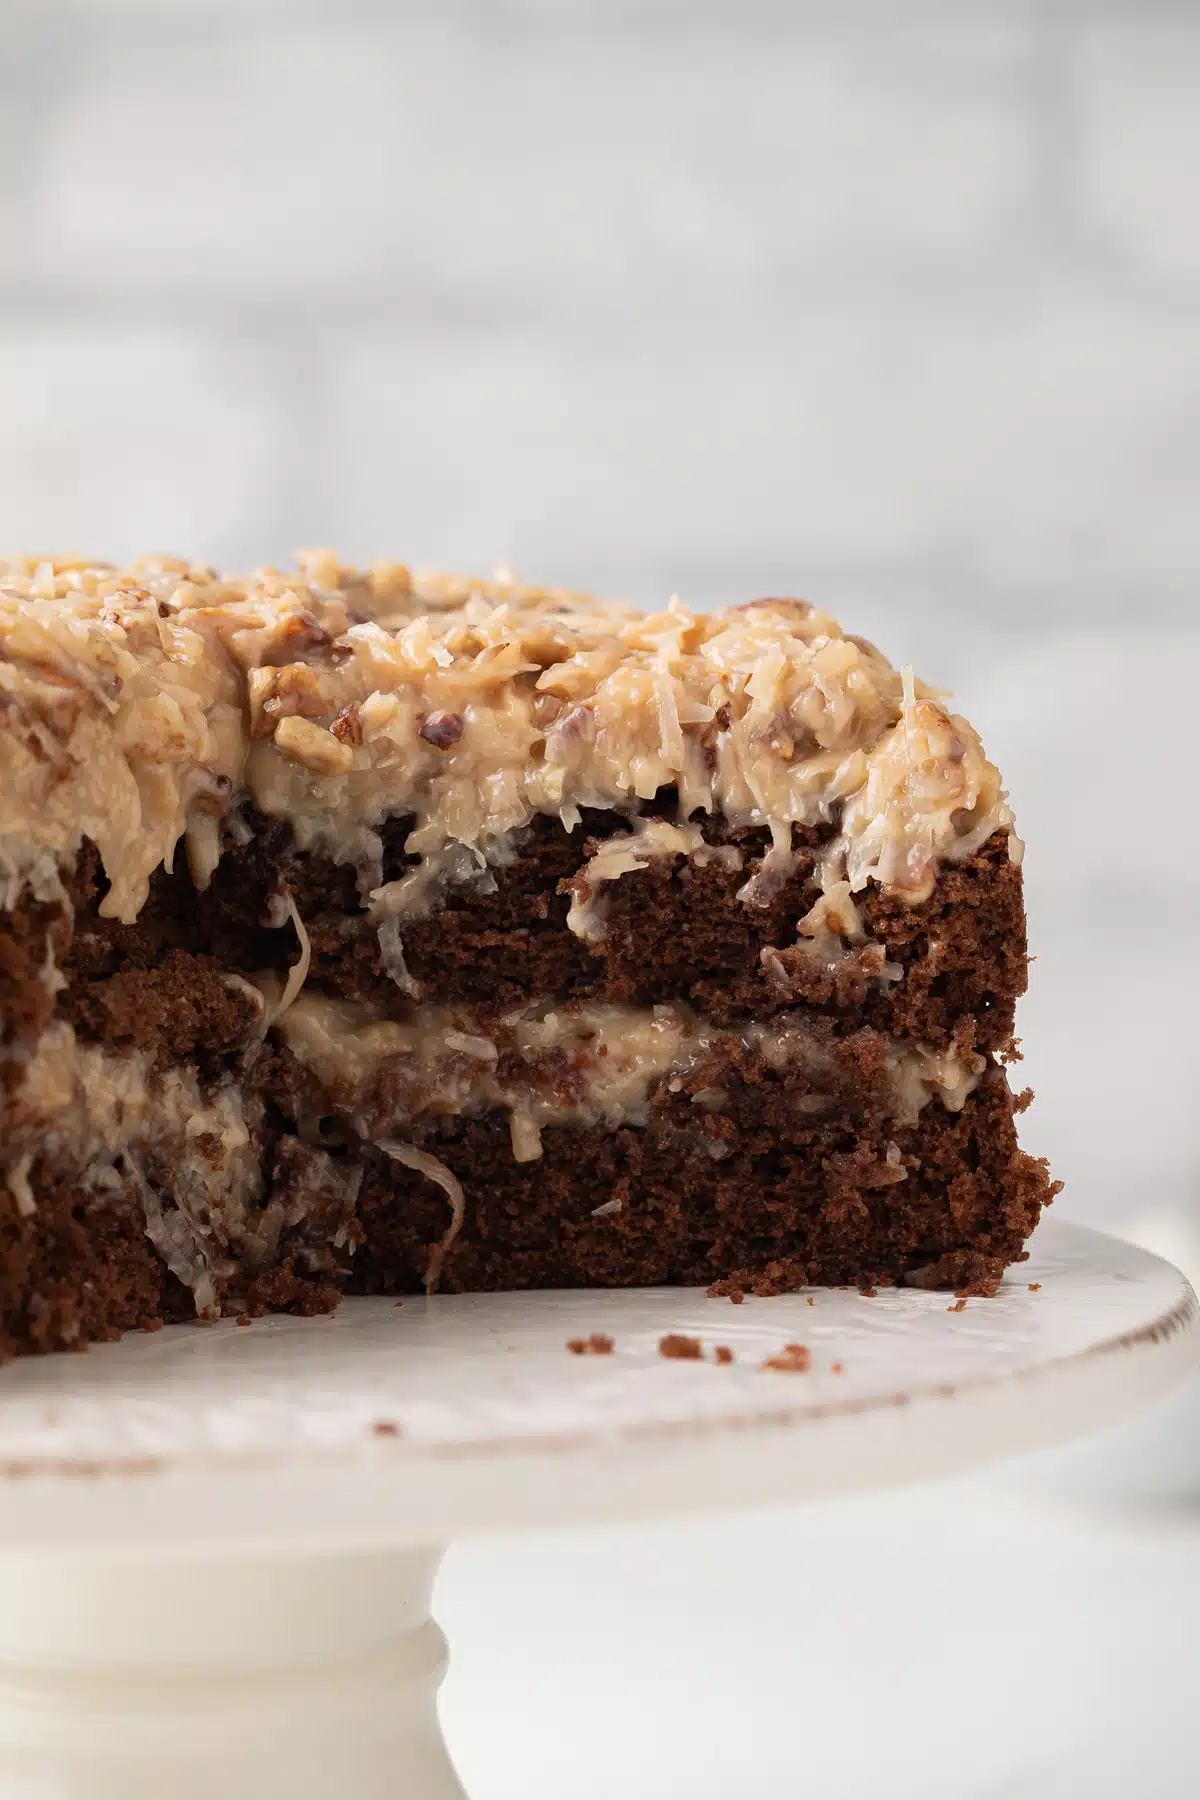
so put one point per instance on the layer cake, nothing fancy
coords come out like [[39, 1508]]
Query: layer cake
[[373, 932]]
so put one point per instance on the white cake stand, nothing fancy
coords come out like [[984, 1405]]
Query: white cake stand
[[217, 1544]]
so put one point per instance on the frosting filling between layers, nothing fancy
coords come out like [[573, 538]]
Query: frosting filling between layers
[[549, 1064], [191, 1155]]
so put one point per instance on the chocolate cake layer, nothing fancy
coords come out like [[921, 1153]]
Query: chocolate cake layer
[[947, 1201], [674, 930], [518, 941]]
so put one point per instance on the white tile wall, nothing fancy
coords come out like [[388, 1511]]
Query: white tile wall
[[896, 307]]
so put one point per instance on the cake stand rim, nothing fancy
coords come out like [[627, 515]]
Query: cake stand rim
[[394, 1489]]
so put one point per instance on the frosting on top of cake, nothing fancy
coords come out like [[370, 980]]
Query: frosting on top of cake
[[137, 703]]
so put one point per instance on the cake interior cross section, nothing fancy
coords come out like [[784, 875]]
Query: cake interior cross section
[[371, 932]]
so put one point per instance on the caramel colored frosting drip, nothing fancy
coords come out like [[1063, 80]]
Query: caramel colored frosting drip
[[137, 703]]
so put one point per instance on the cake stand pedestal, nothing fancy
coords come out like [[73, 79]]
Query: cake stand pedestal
[[217, 1544]]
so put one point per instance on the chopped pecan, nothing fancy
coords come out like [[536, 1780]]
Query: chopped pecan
[[295, 634], [347, 727], [441, 729], [303, 742], [280, 693], [546, 708], [206, 791]]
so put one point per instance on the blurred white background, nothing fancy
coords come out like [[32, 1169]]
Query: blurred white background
[[894, 306]]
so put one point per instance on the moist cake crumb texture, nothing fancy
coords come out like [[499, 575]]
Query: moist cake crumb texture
[[363, 931]]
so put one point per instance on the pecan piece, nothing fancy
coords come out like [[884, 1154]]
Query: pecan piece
[[303, 742], [347, 727], [441, 729]]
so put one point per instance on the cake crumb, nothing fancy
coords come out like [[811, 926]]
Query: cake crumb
[[723, 1353], [793, 1359], [837, 1368], [680, 1348], [385, 1428], [598, 1344], [868, 1293], [151, 1325], [959, 1305], [243, 1319], [985, 1288], [397, 1303], [1035, 1287]]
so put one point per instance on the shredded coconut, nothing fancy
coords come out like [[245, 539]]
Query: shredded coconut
[[919, 1073], [184, 1155], [138, 699], [298, 973], [19, 1186], [617, 856], [391, 955], [179, 1240], [430, 1166], [526, 1135]]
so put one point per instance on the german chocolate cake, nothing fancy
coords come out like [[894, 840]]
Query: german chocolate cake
[[374, 932]]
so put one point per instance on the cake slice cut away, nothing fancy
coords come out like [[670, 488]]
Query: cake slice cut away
[[370, 932]]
